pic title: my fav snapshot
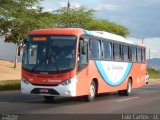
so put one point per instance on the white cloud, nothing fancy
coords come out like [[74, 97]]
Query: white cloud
[[75, 5], [62, 4], [101, 7]]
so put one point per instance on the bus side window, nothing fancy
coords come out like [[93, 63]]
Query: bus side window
[[129, 54], [82, 54], [124, 53], [139, 55], [134, 54], [143, 55], [107, 46], [95, 49], [117, 52]]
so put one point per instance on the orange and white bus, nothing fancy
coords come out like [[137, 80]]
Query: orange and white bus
[[77, 62]]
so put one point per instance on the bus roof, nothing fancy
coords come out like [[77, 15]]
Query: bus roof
[[110, 36], [79, 31], [58, 31]]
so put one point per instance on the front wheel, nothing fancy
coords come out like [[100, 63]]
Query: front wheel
[[92, 92]]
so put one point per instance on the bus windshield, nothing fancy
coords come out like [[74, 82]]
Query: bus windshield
[[53, 54]]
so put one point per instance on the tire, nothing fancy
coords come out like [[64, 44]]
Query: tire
[[48, 98], [120, 92], [126, 92], [92, 92]]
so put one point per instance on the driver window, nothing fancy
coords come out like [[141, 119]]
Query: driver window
[[82, 54]]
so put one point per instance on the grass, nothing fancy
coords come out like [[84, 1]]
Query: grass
[[10, 85], [153, 74]]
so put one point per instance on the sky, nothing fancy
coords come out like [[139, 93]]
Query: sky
[[141, 17]]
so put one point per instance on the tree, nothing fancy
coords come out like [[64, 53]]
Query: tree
[[104, 25], [18, 18], [84, 18], [73, 17]]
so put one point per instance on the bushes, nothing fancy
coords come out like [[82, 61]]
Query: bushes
[[153, 73]]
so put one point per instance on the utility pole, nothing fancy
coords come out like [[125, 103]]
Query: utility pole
[[68, 7], [69, 4]]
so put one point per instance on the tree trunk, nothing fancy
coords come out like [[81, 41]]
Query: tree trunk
[[15, 61]]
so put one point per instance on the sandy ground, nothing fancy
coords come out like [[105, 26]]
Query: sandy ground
[[8, 72]]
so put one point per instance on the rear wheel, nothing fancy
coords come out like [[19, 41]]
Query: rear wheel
[[48, 98], [126, 92], [92, 92]]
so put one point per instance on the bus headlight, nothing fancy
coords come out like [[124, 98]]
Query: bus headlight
[[25, 81], [67, 82]]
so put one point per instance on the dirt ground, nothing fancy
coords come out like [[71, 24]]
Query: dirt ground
[[8, 72]]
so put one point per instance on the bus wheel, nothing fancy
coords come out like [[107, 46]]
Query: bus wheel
[[126, 92], [48, 98], [92, 92]]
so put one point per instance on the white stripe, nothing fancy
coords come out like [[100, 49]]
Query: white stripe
[[127, 99]]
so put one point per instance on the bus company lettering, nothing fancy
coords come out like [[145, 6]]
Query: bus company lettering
[[55, 81], [117, 67]]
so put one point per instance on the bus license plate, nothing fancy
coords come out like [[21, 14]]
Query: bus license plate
[[43, 90]]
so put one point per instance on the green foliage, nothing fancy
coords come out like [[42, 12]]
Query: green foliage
[[153, 73], [18, 19], [74, 17], [83, 18], [11, 8], [104, 25], [9, 85]]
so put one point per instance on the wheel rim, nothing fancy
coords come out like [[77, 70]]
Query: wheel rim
[[92, 91]]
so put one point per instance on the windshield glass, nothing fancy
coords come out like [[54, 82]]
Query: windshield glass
[[52, 54]]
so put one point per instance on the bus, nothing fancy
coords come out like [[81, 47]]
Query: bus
[[74, 62]]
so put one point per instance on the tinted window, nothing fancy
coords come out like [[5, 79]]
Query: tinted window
[[117, 52], [83, 54], [95, 51], [143, 55], [107, 53], [125, 53], [129, 53], [134, 54], [139, 54]]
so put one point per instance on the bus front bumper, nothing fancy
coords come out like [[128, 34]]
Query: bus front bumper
[[68, 90]]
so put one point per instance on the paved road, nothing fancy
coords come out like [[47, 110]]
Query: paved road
[[142, 100]]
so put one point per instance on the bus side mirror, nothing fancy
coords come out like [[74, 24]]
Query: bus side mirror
[[21, 45], [20, 50], [84, 50]]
